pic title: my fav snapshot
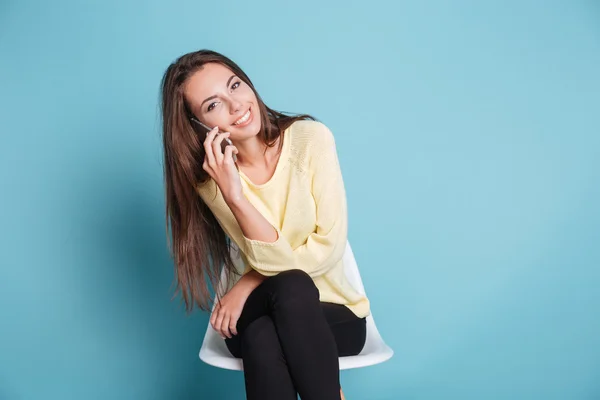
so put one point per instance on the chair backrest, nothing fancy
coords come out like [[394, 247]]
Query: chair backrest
[[351, 270]]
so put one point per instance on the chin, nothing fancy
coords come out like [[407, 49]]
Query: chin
[[252, 132]]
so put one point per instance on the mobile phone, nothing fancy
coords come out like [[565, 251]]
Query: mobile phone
[[226, 141]]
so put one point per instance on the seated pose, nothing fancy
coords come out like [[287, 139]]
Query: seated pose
[[238, 171]]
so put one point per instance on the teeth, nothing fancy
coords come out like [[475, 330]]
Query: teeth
[[243, 119]]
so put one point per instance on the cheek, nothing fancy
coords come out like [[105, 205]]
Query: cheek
[[218, 116], [249, 93], [252, 98]]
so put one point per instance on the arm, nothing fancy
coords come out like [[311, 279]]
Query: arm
[[248, 283], [253, 224], [222, 169]]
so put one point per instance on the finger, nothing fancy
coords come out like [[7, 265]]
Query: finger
[[213, 319], [233, 324], [207, 168], [229, 152], [212, 133], [225, 326], [207, 145], [214, 315], [219, 321], [216, 145]]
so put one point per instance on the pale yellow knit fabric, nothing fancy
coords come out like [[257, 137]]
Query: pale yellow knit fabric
[[305, 201]]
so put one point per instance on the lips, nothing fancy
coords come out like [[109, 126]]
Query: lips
[[246, 118]]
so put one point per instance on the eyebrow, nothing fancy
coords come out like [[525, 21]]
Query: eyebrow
[[215, 96]]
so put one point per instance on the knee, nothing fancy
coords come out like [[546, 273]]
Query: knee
[[294, 285]]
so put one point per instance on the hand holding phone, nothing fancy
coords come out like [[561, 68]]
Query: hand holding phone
[[220, 168], [226, 141]]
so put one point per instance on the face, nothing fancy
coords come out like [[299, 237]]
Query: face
[[219, 97]]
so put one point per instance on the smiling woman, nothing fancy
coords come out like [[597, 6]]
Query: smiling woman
[[272, 184]]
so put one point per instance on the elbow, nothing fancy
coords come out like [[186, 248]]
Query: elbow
[[334, 258], [321, 270]]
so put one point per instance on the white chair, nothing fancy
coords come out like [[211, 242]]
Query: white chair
[[214, 351]]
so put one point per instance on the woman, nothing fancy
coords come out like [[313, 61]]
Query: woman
[[276, 191]]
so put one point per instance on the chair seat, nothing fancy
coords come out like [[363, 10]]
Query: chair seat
[[214, 351]]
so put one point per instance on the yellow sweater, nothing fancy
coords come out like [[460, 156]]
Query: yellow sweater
[[305, 201]]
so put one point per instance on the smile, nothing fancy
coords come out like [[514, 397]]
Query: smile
[[244, 120]]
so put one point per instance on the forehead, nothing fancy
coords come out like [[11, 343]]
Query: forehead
[[206, 82]]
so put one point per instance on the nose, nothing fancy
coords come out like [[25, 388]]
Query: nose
[[235, 106]]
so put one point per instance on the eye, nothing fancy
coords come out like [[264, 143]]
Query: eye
[[233, 87]]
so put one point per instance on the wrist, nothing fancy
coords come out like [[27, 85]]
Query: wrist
[[236, 201]]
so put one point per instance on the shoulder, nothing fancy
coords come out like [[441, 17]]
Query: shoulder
[[312, 146], [312, 130], [311, 137]]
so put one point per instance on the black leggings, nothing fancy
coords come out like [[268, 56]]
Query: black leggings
[[290, 341]]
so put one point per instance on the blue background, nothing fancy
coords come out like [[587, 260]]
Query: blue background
[[469, 138]]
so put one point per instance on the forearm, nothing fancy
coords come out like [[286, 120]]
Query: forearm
[[249, 282], [253, 224]]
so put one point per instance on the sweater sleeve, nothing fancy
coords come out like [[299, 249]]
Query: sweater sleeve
[[326, 245]]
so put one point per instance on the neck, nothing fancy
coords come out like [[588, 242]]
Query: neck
[[251, 152]]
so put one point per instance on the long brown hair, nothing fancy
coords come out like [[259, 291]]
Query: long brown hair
[[199, 246]]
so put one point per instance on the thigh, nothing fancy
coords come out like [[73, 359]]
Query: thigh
[[350, 331]]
